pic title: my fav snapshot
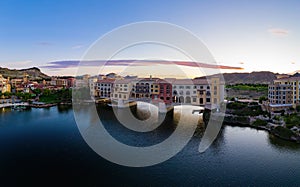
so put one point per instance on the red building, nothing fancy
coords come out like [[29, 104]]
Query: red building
[[164, 93]]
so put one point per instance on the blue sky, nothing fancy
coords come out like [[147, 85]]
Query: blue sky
[[255, 35]]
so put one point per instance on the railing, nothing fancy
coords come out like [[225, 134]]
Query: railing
[[13, 104]]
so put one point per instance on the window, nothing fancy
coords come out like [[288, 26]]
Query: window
[[208, 100], [188, 87], [194, 99]]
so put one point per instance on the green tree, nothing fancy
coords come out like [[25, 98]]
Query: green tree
[[262, 98]]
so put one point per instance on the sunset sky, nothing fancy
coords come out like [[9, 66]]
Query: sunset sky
[[253, 35]]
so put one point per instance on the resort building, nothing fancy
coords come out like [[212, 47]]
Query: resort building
[[161, 91], [92, 86], [122, 89], [104, 88], [142, 88], [284, 93], [183, 90], [59, 82], [4, 85], [199, 92]]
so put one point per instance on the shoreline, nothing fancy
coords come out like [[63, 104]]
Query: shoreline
[[271, 131]]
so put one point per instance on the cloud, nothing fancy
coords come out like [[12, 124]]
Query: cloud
[[278, 32], [97, 63], [77, 46]]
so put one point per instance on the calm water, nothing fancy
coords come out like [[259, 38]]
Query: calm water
[[44, 146]]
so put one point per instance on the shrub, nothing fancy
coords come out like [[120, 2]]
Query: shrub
[[260, 122], [284, 132]]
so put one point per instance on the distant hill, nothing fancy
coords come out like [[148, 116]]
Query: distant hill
[[261, 77], [33, 73]]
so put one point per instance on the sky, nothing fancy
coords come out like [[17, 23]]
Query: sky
[[253, 35]]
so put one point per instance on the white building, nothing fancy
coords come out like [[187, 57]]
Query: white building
[[122, 89], [104, 88]]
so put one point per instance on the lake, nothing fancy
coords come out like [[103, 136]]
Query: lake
[[44, 147]]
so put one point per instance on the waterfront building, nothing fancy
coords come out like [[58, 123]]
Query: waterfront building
[[92, 86], [70, 82], [4, 85], [16, 82], [161, 91], [199, 91], [122, 89], [183, 91], [283, 94], [142, 88], [104, 88], [59, 82], [203, 92]]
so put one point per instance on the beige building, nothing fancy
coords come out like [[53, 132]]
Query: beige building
[[4, 85], [294, 85], [199, 91], [121, 89], [283, 93]]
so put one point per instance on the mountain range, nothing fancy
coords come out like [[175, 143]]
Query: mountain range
[[33, 73], [260, 77]]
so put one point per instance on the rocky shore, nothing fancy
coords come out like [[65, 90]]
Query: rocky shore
[[252, 116]]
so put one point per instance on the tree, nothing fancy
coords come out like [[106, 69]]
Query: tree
[[46, 92], [262, 98], [298, 108], [7, 94]]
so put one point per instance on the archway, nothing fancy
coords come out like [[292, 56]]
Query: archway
[[181, 99], [188, 99]]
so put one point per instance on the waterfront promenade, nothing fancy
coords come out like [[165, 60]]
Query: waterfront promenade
[[3, 105]]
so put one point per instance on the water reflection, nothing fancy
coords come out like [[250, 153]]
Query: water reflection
[[64, 108], [46, 141]]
